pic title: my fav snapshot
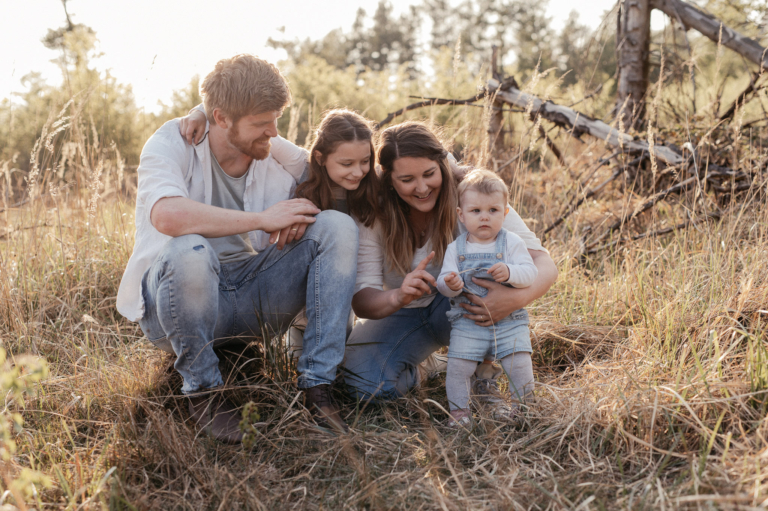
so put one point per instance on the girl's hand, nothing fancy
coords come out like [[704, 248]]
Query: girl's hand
[[416, 284], [192, 127], [453, 281], [500, 272]]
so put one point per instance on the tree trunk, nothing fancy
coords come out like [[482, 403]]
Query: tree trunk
[[496, 121], [633, 39], [691, 17]]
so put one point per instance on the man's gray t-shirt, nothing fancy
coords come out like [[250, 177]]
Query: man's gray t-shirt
[[227, 192]]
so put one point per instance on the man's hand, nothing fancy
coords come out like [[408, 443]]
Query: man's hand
[[453, 281], [281, 219], [499, 272], [192, 127]]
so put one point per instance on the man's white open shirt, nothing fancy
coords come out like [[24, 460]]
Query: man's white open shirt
[[169, 167]]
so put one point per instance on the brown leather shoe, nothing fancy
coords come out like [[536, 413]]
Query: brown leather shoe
[[324, 411], [217, 416]]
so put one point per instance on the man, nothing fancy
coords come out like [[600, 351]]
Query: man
[[223, 251]]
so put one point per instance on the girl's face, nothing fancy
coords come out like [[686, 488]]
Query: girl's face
[[348, 164], [417, 181]]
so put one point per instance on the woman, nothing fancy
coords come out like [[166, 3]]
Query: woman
[[400, 258]]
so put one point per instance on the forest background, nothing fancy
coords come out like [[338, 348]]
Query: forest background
[[650, 350]]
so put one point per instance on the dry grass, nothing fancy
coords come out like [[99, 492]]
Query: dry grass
[[651, 360]]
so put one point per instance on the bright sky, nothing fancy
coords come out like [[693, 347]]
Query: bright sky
[[158, 45]]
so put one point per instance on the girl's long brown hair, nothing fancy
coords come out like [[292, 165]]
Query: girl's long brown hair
[[416, 140], [339, 126]]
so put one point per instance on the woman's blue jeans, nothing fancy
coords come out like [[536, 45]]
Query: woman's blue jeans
[[383, 354], [192, 303]]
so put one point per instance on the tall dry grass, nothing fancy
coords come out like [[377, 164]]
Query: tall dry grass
[[650, 357]]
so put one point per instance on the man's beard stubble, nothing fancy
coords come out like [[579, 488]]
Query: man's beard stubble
[[254, 151]]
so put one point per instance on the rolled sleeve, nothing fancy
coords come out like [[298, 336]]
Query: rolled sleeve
[[160, 173]]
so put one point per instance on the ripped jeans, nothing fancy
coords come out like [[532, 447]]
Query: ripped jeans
[[192, 303]]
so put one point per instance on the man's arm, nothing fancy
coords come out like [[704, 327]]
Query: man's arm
[[502, 301], [178, 216]]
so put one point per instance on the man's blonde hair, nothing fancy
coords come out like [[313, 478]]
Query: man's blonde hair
[[244, 85], [485, 182]]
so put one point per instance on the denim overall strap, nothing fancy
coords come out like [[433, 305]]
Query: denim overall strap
[[461, 251], [501, 246]]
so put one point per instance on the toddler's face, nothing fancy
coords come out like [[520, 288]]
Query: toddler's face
[[482, 214]]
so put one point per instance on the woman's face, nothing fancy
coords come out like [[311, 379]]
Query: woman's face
[[417, 181], [348, 164]]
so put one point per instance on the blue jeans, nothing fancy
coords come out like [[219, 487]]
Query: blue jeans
[[382, 354], [192, 303]]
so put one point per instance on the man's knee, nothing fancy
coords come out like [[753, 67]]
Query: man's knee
[[191, 252], [191, 263]]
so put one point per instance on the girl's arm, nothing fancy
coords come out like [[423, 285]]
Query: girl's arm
[[293, 158]]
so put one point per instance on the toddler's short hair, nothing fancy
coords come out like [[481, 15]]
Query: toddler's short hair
[[485, 182]]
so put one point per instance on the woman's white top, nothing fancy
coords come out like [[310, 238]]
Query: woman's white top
[[373, 271]]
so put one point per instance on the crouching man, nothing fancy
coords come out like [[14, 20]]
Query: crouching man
[[223, 251]]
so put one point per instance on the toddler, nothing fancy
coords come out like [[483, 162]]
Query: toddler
[[486, 251]]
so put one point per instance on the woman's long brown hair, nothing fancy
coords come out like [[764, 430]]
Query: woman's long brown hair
[[416, 140], [337, 127]]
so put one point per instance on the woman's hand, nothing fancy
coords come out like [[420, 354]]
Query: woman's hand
[[192, 127], [416, 284], [500, 302]]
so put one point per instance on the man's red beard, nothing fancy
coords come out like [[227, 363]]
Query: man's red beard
[[254, 150]]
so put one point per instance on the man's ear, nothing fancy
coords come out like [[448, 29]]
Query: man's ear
[[221, 119], [506, 211]]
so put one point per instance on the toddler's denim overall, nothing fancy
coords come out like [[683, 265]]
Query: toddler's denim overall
[[468, 340]]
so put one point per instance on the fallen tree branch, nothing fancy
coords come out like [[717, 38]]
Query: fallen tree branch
[[643, 208], [741, 99], [552, 146], [711, 27], [428, 102], [592, 192], [580, 123], [653, 234]]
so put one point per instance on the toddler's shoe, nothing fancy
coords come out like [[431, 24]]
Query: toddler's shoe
[[459, 418]]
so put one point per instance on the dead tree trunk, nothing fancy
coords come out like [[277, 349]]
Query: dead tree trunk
[[691, 17], [496, 121], [633, 39]]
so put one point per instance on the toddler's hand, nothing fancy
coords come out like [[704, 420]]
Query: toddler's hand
[[500, 272], [453, 281]]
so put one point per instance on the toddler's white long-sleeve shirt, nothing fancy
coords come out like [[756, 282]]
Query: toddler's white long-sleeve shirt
[[522, 271]]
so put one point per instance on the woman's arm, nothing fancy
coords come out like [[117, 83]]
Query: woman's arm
[[502, 301]]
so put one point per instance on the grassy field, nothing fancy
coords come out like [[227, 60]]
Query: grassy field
[[650, 357]]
